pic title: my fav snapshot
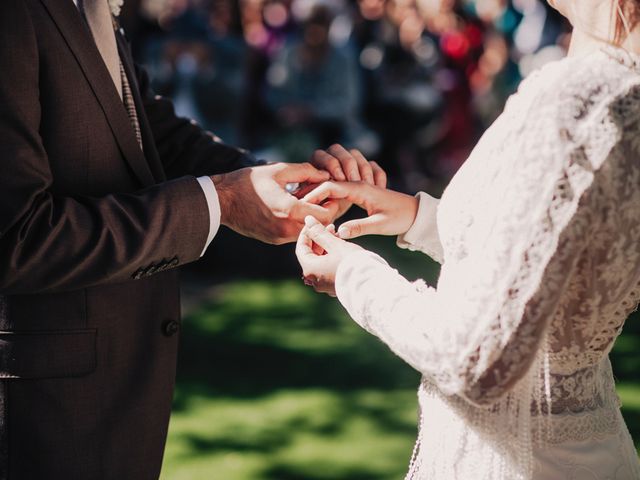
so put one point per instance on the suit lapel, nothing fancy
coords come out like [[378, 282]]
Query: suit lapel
[[150, 150], [79, 40]]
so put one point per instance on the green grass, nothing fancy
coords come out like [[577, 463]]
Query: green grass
[[275, 382]]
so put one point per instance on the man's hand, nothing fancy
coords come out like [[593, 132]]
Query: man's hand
[[255, 203], [349, 166], [346, 166]]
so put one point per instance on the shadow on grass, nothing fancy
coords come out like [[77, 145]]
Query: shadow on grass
[[275, 382], [259, 336], [256, 352], [283, 472]]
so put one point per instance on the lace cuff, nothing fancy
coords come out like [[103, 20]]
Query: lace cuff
[[423, 235]]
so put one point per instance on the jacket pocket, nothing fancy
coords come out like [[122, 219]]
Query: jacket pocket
[[47, 354]]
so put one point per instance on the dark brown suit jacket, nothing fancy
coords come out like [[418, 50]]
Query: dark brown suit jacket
[[91, 229]]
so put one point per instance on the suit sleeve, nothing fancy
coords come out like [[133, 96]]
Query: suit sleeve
[[52, 242], [184, 147]]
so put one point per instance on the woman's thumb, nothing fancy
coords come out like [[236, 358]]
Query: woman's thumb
[[357, 228], [319, 234]]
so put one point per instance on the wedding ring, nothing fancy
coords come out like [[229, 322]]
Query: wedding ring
[[292, 187]]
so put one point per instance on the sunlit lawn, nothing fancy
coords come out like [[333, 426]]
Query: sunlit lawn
[[275, 382]]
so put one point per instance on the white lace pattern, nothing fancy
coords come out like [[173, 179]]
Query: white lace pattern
[[540, 234]]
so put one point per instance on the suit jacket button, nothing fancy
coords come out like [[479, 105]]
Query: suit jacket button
[[153, 268], [170, 328]]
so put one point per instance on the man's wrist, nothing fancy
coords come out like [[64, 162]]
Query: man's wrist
[[219, 181]]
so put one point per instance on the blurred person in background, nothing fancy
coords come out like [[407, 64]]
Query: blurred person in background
[[313, 86], [538, 235], [201, 65], [428, 76]]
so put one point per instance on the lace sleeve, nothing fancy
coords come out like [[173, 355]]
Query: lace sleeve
[[477, 333], [423, 235]]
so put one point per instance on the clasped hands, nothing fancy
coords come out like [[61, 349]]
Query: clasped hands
[[254, 202], [320, 249]]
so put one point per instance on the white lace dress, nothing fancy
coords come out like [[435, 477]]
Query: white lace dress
[[539, 239]]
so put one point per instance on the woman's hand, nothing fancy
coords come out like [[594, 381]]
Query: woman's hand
[[320, 252], [346, 166], [389, 212]]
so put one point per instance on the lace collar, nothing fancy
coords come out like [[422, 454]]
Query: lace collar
[[622, 56]]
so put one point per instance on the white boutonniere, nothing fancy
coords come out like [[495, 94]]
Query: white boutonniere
[[115, 6]]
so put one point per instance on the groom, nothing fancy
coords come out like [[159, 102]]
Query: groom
[[103, 193]]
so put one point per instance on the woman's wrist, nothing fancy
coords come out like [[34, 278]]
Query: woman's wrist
[[409, 212]]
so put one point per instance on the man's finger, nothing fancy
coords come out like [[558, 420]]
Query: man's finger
[[302, 172], [363, 226], [331, 164], [349, 163], [319, 234], [379, 175], [366, 170]]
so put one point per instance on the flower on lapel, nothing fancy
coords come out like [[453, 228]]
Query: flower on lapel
[[115, 6]]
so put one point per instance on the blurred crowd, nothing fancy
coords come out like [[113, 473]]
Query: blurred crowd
[[411, 83]]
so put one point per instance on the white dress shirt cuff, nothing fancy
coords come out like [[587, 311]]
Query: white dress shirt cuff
[[213, 203]]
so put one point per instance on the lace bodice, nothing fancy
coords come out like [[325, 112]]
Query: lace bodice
[[539, 237]]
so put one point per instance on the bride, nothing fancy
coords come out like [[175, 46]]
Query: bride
[[539, 239]]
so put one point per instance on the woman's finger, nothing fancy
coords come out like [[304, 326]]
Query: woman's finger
[[317, 249], [353, 192], [320, 235], [325, 213], [366, 169], [328, 190], [379, 175], [304, 246], [363, 226], [324, 287]]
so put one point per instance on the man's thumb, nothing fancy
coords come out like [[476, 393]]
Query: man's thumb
[[305, 172], [357, 228]]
